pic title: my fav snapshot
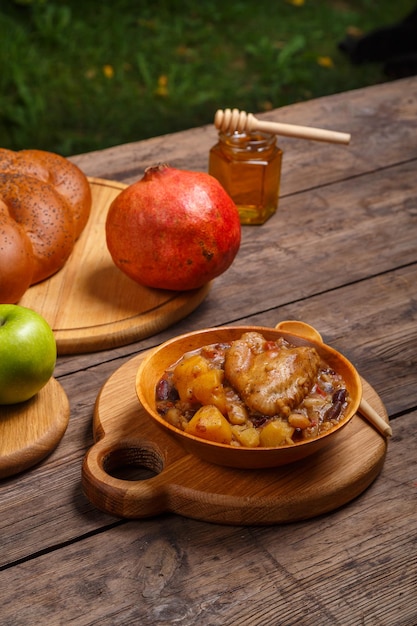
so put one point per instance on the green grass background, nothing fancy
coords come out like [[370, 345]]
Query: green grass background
[[79, 76]]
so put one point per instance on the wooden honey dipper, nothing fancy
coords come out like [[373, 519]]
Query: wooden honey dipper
[[234, 120]]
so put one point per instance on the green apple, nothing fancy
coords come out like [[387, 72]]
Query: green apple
[[27, 353]]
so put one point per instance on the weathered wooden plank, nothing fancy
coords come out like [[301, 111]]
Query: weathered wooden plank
[[381, 120], [341, 569]]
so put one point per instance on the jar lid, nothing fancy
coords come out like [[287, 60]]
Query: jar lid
[[254, 142]]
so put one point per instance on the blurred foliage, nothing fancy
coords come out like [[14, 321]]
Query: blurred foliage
[[79, 76]]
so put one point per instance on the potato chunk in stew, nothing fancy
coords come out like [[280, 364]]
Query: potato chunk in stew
[[209, 423]]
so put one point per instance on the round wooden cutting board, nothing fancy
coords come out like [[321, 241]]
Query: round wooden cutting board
[[31, 430], [91, 305], [181, 483]]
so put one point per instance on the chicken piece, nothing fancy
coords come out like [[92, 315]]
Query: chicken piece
[[271, 379]]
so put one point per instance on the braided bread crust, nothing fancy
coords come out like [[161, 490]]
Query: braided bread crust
[[45, 202]]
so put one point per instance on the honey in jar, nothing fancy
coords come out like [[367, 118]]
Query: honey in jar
[[248, 166]]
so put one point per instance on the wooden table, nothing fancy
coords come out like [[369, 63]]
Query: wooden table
[[340, 254]]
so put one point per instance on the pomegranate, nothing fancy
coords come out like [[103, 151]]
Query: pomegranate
[[173, 229]]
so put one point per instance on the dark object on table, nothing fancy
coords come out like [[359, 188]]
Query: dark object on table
[[395, 46]]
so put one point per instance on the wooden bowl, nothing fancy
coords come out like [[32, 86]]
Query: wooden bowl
[[155, 364]]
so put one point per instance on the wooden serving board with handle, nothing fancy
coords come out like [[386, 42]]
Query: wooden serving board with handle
[[30, 430], [181, 483], [91, 305]]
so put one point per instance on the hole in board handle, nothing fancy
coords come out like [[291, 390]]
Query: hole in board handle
[[133, 462]]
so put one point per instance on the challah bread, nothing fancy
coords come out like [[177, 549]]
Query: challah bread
[[16, 258], [45, 202]]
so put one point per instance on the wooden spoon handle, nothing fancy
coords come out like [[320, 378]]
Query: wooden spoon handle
[[235, 120], [374, 418]]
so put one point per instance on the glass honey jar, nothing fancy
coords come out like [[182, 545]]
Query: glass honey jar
[[248, 166]]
